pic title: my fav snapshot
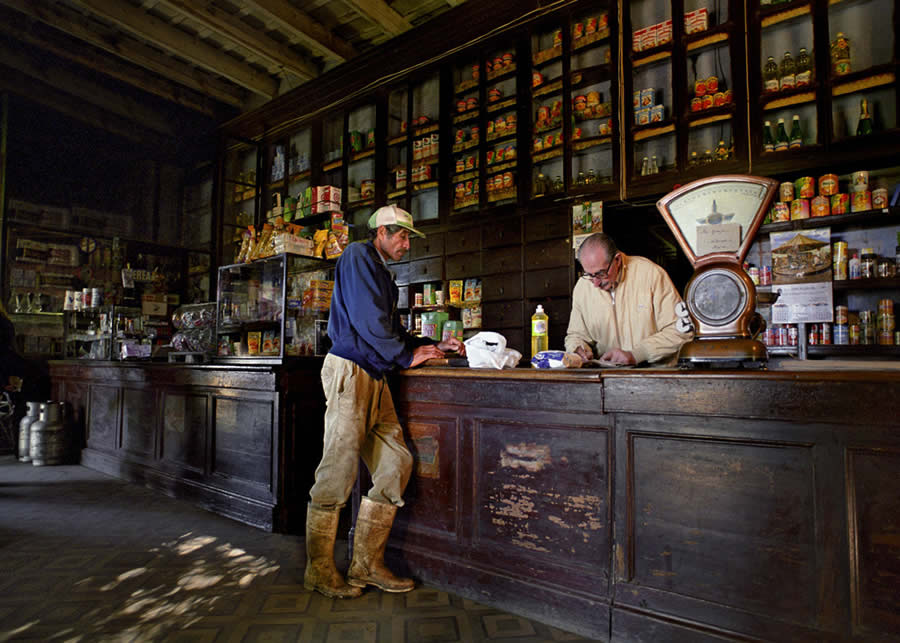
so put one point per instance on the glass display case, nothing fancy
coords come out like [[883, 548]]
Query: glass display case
[[273, 308]]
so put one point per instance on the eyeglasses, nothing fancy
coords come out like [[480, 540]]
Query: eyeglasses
[[600, 274]]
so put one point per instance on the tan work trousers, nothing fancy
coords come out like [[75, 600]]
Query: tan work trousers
[[360, 422]]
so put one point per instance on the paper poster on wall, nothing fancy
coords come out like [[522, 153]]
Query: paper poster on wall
[[801, 256], [587, 217], [811, 303]]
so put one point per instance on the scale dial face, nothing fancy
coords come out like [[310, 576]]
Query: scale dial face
[[724, 210], [717, 297]]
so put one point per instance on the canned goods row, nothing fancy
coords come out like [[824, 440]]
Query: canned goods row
[[760, 276], [781, 335], [84, 299]]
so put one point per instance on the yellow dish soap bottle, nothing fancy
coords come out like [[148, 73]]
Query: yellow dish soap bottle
[[539, 331]]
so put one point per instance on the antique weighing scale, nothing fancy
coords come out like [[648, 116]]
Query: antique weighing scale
[[715, 220]]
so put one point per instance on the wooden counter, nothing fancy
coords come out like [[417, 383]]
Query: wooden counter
[[242, 441], [660, 505]]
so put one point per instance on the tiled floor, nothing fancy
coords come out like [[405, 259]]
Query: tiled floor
[[85, 557]]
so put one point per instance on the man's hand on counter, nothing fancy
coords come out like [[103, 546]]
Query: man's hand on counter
[[618, 356], [585, 353], [426, 352], [452, 344]]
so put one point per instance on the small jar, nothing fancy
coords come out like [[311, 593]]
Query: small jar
[[885, 268], [868, 264]]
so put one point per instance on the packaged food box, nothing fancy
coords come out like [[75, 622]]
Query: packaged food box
[[452, 329], [268, 342], [664, 32], [324, 193], [456, 291], [657, 113], [318, 207], [650, 37], [647, 97], [473, 290], [637, 41], [642, 116], [433, 324], [253, 342]]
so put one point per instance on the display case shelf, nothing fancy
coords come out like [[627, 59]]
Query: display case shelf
[[797, 96], [877, 283], [505, 72], [869, 218], [647, 56], [546, 154], [425, 185], [783, 13], [465, 176], [362, 203], [546, 57], [864, 79], [300, 176], [359, 156], [501, 105], [464, 147], [500, 167], [709, 116], [332, 165], [590, 76], [547, 88], [465, 86], [714, 36], [395, 194], [584, 144], [643, 132], [397, 140], [466, 116], [427, 129], [495, 138], [590, 39]]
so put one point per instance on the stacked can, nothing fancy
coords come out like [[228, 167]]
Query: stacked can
[[839, 260], [861, 197], [868, 323], [841, 321], [819, 334], [886, 324]]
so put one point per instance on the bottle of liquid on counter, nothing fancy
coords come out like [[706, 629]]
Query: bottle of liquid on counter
[[864, 126], [804, 69], [770, 75], [768, 141], [788, 72], [781, 138], [539, 323], [796, 137]]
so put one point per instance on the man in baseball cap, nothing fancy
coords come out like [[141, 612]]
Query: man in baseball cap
[[368, 341], [389, 215]]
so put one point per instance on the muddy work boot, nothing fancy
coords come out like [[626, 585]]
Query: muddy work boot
[[373, 526], [321, 575]]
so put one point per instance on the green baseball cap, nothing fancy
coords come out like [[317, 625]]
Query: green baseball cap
[[392, 215]]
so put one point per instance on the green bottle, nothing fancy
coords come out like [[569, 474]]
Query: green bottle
[[768, 141], [864, 127], [796, 138], [781, 138]]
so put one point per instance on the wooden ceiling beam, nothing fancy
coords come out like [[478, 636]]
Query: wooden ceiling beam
[[382, 14], [162, 34], [31, 89], [309, 32], [19, 27], [239, 32], [51, 73], [76, 25]]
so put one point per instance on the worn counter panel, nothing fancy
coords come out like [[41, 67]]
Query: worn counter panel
[[222, 436]]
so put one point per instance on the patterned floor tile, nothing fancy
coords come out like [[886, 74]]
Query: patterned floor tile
[[363, 631], [286, 603], [504, 626]]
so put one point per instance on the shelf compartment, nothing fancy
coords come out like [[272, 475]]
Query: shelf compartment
[[353, 205], [500, 167], [427, 129], [359, 156], [428, 160], [274, 185], [546, 56], [501, 137], [877, 283], [660, 52], [802, 151], [396, 193], [425, 185], [300, 176], [590, 76], [501, 105], [463, 147], [654, 130], [333, 165], [547, 88], [707, 39], [468, 205], [545, 155], [784, 14], [869, 350], [502, 195], [590, 39], [884, 216], [583, 144], [397, 140], [793, 97], [706, 117], [466, 116], [245, 196], [244, 183], [507, 70], [465, 176], [862, 80], [466, 86]]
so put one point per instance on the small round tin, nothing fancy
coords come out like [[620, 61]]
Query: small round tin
[[712, 85], [820, 206], [840, 203], [700, 87], [841, 314], [859, 181], [781, 212], [805, 187], [861, 201], [828, 184], [719, 99], [696, 104], [799, 209], [786, 191], [879, 198]]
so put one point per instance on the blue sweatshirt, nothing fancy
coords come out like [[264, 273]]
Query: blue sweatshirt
[[364, 325]]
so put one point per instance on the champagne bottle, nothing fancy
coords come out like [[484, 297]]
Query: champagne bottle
[[781, 138], [788, 72], [768, 141], [804, 69], [770, 75], [864, 126], [796, 137]]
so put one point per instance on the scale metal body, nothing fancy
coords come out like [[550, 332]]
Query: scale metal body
[[714, 221]]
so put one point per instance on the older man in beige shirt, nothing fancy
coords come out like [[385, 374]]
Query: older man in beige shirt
[[623, 308]]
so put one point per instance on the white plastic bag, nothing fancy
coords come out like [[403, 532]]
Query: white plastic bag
[[488, 350]]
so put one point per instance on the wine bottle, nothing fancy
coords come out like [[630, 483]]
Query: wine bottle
[[768, 141], [770, 75], [781, 138], [804, 69], [796, 136], [788, 72], [864, 126]]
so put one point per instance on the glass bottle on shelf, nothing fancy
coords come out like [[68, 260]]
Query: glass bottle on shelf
[[707, 157], [654, 165], [788, 72], [781, 138], [645, 166], [897, 255], [804, 69], [591, 177], [864, 126], [840, 55], [581, 180], [558, 185], [796, 136], [770, 75], [695, 160], [721, 151]]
